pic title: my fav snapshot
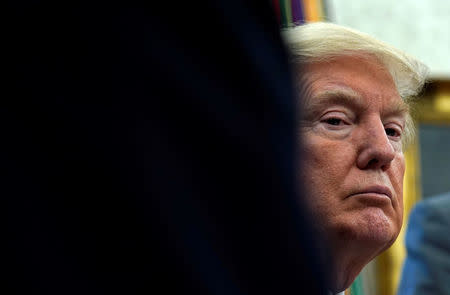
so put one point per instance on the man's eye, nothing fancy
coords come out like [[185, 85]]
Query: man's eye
[[334, 121], [392, 132]]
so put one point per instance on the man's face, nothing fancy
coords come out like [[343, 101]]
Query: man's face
[[353, 160]]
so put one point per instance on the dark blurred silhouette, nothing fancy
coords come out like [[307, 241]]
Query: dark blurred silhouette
[[151, 148]]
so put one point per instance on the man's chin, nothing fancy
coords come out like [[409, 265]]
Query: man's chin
[[371, 231]]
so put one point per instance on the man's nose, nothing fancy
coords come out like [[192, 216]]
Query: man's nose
[[375, 150]]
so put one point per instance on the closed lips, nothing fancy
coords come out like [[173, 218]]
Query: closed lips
[[382, 190]]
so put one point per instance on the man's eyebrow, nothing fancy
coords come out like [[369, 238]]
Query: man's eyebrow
[[342, 96], [314, 103], [350, 98]]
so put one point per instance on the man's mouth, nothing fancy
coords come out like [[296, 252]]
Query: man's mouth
[[380, 191]]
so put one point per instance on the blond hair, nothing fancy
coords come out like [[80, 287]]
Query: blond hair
[[314, 42]]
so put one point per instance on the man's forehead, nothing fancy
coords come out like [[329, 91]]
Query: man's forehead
[[359, 81], [341, 70]]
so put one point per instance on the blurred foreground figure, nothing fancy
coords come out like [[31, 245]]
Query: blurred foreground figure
[[355, 125], [149, 149], [427, 268]]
